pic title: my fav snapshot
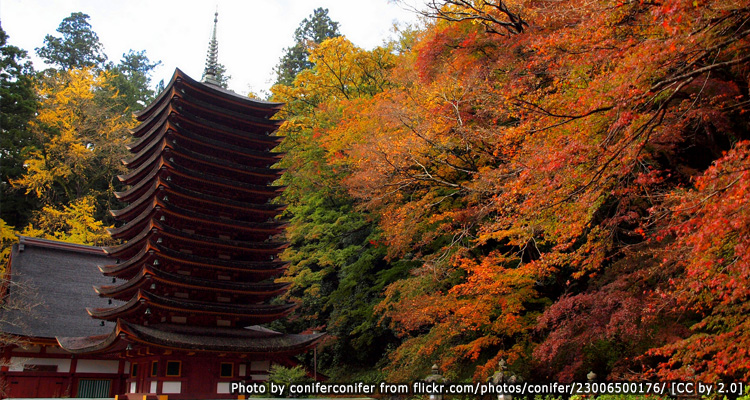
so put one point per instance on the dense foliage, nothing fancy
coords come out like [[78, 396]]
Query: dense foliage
[[64, 132], [17, 107], [561, 184]]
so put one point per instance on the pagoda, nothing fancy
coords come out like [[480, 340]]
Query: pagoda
[[194, 276]]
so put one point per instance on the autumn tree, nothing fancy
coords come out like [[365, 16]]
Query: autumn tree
[[78, 133], [80, 141], [497, 16], [530, 175], [79, 47], [337, 265]]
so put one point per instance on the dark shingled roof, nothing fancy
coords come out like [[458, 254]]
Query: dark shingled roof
[[57, 278]]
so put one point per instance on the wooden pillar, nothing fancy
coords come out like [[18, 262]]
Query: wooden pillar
[[71, 373], [119, 382]]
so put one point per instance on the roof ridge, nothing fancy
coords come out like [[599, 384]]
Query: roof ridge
[[59, 245]]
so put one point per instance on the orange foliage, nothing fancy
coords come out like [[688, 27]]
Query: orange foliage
[[526, 170], [540, 184]]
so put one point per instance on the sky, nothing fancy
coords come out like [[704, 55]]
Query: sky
[[252, 34]]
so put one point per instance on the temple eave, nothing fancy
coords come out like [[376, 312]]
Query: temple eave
[[180, 80], [161, 233], [152, 254], [149, 275], [143, 300], [169, 337]]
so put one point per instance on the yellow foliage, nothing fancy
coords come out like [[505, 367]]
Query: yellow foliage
[[73, 223], [344, 71], [7, 238], [82, 140]]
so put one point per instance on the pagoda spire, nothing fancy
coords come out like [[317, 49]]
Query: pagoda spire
[[211, 73]]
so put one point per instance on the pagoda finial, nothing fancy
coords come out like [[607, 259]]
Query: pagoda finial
[[210, 74]]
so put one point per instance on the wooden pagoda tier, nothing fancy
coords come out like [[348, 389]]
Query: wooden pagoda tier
[[145, 307], [199, 231], [253, 342]]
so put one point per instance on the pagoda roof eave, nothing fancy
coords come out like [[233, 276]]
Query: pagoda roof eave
[[143, 299], [166, 209], [156, 228], [171, 117], [215, 181], [92, 344], [158, 102], [172, 189], [197, 106], [269, 173], [146, 129], [156, 151], [149, 274], [227, 94], [180, 77], [152, 252], [198, 122], [251, 340], [248, 175], [159, 143]]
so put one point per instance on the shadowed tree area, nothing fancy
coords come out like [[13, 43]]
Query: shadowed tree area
[[18, 104]]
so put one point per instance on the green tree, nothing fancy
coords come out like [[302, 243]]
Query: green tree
[[312, 30], [132, 80], [78, 47], [17, 107], [338, 268]]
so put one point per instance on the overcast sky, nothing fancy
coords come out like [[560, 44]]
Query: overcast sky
[[252, 33]]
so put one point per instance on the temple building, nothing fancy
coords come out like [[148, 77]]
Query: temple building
[[177, 308]]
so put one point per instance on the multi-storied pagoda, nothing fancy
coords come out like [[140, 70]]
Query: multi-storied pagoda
[[194, 276]]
